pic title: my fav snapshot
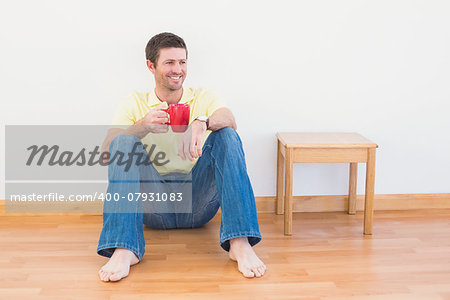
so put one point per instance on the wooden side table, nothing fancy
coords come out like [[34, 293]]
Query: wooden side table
[[324, 147]]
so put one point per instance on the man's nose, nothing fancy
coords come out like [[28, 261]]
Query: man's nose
[[176, 68]]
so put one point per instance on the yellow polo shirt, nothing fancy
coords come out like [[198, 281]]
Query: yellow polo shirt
[[202, 102]]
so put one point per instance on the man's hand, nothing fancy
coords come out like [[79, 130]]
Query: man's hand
[[190, 144], [156, 119]]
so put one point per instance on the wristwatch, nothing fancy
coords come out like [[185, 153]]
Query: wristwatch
[[204, 119]]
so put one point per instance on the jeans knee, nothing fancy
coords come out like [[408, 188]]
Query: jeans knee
[[227, 134], [123, 142]]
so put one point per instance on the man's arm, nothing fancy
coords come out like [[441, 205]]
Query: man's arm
[[221, 118], [190, 145], [155, 121]]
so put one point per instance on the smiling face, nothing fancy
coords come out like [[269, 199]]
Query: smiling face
[[171, 68]]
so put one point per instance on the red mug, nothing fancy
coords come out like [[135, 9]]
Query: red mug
[[178, 117]]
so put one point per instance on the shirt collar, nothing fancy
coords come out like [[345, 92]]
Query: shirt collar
[[186, 97]]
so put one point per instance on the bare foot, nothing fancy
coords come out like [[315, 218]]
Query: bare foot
[[118, 265], [248, 263]]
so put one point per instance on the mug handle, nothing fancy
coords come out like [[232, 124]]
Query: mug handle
[[167, 110]]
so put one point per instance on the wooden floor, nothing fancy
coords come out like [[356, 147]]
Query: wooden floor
[[408, 257]]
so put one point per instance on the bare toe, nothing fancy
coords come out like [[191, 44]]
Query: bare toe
[[105, 276], [247, 273], [117, 276], [256, 271], [261, 270]]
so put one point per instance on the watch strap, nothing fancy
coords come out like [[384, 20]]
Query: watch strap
[[204, 119]]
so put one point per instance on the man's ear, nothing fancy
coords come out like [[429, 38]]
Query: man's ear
[[151, 66]]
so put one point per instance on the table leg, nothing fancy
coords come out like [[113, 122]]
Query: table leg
[[352, 189], [370, 189], [288, 192], [280, 177]]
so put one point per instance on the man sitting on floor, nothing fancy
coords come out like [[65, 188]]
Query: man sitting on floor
[[210, 153]]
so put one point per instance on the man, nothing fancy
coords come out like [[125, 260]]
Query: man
[[210, 152]]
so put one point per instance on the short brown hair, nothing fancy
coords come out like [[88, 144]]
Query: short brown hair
[[160, 41]]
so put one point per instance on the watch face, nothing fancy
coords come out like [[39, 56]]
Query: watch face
[[202, 118]]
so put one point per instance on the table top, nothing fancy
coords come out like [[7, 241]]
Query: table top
[[324, 140]]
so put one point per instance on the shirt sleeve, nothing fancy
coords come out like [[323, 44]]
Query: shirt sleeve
[[214, 102], [125, 113]]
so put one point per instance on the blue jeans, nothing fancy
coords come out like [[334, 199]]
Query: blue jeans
[[219, 178]]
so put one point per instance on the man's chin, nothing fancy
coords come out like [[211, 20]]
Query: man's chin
[[175, 87]]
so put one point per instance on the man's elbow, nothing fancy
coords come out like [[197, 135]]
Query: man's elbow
[[233, 124], [232, 119]]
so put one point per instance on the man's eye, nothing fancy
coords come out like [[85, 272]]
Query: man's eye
[[169, 62], [183, 62]]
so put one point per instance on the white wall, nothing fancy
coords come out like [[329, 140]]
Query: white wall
[[380, 68]]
